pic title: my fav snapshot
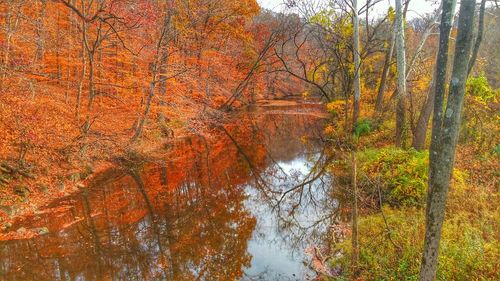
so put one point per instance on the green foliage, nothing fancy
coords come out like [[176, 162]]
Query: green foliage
[[390, 242], [496, 150], [363, 127], [479, 88], [402, 174], [480, 120], [469, 250]]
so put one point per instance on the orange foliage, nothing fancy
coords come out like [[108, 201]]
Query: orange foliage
[[75, 76]]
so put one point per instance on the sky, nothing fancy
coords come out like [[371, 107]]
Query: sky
[[416, 9]]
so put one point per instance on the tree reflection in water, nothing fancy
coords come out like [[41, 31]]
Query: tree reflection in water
[[237, 205]]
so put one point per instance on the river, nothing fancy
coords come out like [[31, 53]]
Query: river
[[245, 203]]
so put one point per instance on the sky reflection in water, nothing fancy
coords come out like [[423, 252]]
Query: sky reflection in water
[[209, 211]]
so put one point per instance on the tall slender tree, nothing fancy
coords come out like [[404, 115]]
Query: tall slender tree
[[401, 67], [355, 116], [161, 52], [479, 36], [445, 128], [420, 130], [357, 63], [387, 63]]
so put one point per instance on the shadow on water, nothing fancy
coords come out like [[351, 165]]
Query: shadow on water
[[243, 204]]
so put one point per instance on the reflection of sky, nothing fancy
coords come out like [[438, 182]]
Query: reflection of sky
[[275, 256], [149, 232], [299, 164]]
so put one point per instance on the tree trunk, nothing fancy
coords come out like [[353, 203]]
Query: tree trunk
[[355, 246], [58, 48], [379, 104], [40, 40], [445, 129], [162, 88], [401, 67], [357, 64], [82, 78], [385, 73], [420, 132], [11, 23], [159, 57], [479, 37], [421, 128], [151, 91], [84, 67], [91, 81]]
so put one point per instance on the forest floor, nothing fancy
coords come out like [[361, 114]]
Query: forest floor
[[44, 155]]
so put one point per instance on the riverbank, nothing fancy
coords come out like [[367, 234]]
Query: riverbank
[[63, 169], [391, 195], [45, 154], [206, 203]]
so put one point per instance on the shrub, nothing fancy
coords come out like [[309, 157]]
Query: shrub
[[363, 127], [401, 173], [479, 88], [481, 120], [336, 108]]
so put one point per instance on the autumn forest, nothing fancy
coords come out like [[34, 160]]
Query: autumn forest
[[249, 140]]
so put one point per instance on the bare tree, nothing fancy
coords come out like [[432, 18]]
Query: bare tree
[[160, 58], [294, 55], [239, 90], [106, 24]]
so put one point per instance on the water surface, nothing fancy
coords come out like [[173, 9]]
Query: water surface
[[212, 209]]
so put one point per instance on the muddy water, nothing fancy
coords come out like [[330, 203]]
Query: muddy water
[[213, 208]]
